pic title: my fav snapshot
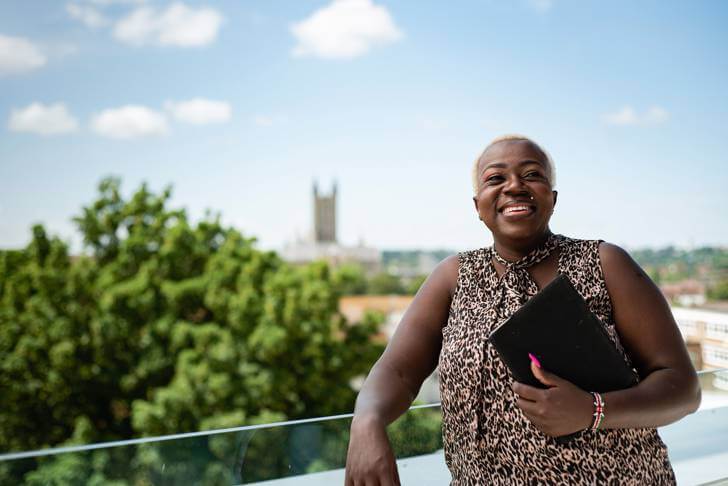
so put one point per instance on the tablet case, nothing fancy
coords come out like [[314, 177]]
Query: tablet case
[[557, 326]]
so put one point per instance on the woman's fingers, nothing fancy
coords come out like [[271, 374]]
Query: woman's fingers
[[390, 477], [531, 409], [370, 460], [383, 477], [528, 392], [546, 377], [387, 477]]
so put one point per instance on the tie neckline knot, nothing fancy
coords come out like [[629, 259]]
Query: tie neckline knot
[[533, 257]]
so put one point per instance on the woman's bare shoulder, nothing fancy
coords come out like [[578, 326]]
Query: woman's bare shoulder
[[445, 274], [618, 265], [432, 301]]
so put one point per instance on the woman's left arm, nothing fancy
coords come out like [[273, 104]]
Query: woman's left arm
[[669, 387]]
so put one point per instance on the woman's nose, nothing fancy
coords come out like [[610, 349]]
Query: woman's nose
[[514, 184]]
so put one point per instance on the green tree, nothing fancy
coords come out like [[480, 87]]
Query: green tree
[[414, 285], [350, 279], [165, 326], [384, 284], [719, 291]]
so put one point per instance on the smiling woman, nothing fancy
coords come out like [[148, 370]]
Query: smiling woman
[[496, 430]]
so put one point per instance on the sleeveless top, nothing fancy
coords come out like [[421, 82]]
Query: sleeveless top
[[487, 438]]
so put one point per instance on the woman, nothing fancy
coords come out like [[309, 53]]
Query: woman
[[495, 430]]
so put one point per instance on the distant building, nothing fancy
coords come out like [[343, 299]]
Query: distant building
[[688, 293], [706, 334], [410, 265], [324, 216], [392, 306], [424, 262], [323, 244]]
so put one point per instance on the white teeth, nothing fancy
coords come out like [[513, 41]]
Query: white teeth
[[516, 208]]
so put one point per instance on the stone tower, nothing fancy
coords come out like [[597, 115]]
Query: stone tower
[[324, 216]]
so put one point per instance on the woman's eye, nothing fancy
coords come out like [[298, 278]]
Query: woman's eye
[[492, 178], [531, 174]]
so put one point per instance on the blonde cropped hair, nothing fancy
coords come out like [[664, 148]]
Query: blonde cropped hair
[[550, 169]]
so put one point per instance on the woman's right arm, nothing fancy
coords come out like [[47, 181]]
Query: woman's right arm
[[395, 379]]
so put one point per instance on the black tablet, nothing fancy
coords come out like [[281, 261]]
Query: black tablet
[[567, 338]]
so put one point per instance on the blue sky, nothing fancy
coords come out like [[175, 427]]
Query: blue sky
[[242, 105]]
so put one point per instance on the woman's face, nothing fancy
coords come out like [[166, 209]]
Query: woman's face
[[509, 173]]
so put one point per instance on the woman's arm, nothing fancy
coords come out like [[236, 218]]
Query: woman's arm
[[396, 377], [669, 387]]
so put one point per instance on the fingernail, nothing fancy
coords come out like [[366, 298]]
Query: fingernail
[[535, 360]]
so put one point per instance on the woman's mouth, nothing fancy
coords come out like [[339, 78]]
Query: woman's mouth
[[518, 212]]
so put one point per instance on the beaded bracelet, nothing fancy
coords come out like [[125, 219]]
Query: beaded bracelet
[[598, 411]]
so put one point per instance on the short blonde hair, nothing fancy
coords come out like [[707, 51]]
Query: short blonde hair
[[550, 169]]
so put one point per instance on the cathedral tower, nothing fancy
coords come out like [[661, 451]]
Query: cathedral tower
[[324, 216]]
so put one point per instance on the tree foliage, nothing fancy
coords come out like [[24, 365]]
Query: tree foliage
[[351, 279], [671, 265], [385, 284], [165, 326], [719, 291]]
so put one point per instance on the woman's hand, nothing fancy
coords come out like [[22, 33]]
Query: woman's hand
[[370, 460], [561, 409]]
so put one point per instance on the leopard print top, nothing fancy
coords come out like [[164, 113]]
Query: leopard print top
[[487, 439]]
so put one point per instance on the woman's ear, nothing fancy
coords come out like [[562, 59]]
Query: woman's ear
[[556, 193]]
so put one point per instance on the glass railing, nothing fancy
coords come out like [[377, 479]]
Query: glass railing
[[313, 452], [698, 444], [311, 448]]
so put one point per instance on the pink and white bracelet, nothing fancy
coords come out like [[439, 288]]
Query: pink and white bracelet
[[598, 411]]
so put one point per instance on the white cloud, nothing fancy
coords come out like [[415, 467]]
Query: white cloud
[[270, 120], [104, 3], [263, 121], [41, 119], [87, 15], [656, 115], [344, 29], [541, 5], [19, 55], [59, 50], [627, 116], [177, 25], [199, 111], [130, 121]]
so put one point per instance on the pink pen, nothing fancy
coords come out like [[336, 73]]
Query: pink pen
[[535, 360]]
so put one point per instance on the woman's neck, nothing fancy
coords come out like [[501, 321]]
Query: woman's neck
[[515, 250]]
